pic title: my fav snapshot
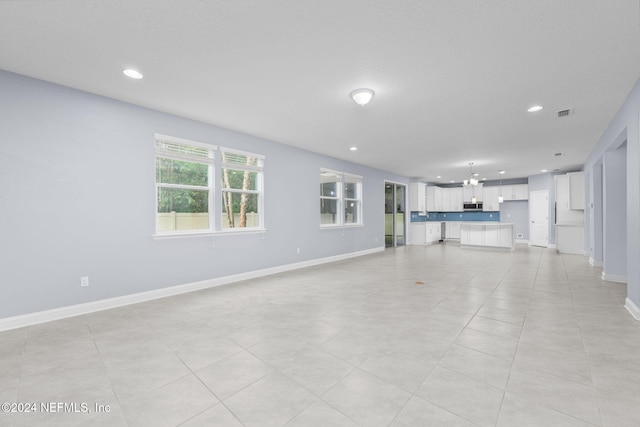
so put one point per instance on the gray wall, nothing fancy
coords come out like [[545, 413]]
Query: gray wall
[[517, 212], [625, 127], [615, 212], [77, 198]]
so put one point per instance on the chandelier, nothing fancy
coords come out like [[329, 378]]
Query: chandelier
[[473, 181]]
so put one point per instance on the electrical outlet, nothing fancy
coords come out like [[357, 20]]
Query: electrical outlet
[[84, 281]]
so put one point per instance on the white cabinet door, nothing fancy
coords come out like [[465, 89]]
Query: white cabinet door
[[476, 235], [562, 191], [455, 199], [508, 193], [576, 190], [521, 192], [490, 199], [506, 236], [446, 200], [437, 198], [418, 233], [492, 236], [431, 201], [453, 230], [417, 197], [433, 232]]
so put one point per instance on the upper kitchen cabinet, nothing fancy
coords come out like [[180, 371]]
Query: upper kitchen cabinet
[[515, 192], [431, 198], [565, 214], [490, 201], [576, 190], [455, 199], [417, 197]]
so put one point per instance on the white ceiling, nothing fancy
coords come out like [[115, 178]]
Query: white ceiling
[[453, 79]]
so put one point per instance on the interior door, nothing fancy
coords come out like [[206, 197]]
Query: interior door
[[539, 215]]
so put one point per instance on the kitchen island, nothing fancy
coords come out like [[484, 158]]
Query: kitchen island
[[487, 234]]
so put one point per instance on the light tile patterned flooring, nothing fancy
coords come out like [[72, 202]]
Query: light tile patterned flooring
[[526, 338]]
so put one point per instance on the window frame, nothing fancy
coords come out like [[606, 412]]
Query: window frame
[[214, 186], [209, 161], [259, 191], [341, 199]]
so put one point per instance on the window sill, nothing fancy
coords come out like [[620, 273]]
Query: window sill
[[334, 227], [162, 236]]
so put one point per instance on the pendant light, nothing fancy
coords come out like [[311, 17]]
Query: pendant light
[[473, 181], [500, 198]]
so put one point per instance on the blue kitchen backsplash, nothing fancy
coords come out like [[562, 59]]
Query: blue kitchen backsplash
[[455, 216]]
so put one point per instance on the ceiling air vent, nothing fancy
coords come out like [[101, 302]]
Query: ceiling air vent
[[564, 113]]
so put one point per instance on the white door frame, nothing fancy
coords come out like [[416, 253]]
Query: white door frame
[[532, 242]]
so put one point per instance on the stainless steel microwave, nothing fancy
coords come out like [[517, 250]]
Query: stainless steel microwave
[[472, 206]]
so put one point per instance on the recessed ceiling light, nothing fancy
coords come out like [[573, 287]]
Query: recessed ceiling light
[[544, 170], [484, 179], [501, 172], [535, 108], [452, 181], [353, 148], [362, 96], [438, 177], [133, 74]]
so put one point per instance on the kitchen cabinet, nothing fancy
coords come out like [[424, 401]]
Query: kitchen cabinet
[[521, 192], [570, 239], [455, 199], [490, 199], [444, 199], [417, 233], [433, 232], [417, 197], [495, 235], [576, 190], [437, 199], [564, 213], [452, 230], [515, 192], [471, 191], [431, 198]]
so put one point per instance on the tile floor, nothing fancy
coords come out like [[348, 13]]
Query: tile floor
[[526, 338]]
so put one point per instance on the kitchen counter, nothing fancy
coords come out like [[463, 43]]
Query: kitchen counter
[[487, 234]]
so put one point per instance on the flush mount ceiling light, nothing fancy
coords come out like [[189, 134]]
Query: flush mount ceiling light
[[535, 108], [438, 177], [353, 148], [362, 96], [132, 74]]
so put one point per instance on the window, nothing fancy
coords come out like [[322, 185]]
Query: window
[[187, 194], [340, 198], [241, 184], [352, 199], [184, 185]]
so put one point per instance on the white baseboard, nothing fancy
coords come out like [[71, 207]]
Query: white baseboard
[[595, 263], [632, 308], [614, 278], [551, 246], [522, 241], [93, 306]]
